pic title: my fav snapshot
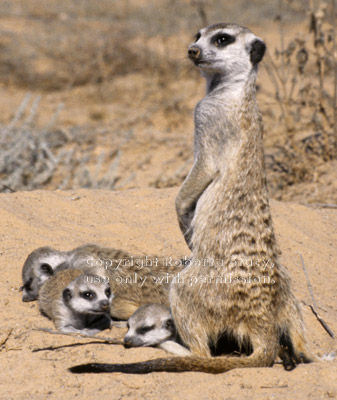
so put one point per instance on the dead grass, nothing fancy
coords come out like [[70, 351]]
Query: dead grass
[[302, 73], [50, 46], [33, 158]]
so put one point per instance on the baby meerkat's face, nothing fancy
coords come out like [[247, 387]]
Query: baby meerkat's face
[[226, 49], [150, 325], [88, 294], [40, 265]]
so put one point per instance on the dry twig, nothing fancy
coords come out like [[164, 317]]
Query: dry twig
[[313, 306], [79, 335]]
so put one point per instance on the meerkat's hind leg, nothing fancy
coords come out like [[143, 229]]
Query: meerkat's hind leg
[[198, 343], [265, 348], [292, 336], [286, 353], [294, 349]]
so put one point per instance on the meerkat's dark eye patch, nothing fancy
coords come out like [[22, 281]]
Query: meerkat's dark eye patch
[[144, 329], [197, 37], [88, 295], [222, 39]]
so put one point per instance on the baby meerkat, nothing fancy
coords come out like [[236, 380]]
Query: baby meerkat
[[43, 262], [134, 280], [234, 284], [76, 302], [152, 326], [39, 266]]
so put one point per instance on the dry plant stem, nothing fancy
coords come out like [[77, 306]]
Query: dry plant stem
[[275, 77], [313, 306], [283, 75], [7, 187], [283, 79], [79, 335], [318, 44], [334, 31], [4, 340]]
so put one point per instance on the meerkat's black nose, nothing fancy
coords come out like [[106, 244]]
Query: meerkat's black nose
[[104, 304], [194, 53], [127, 343]]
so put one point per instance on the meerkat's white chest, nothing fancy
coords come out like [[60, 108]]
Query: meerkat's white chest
[[216, 129]]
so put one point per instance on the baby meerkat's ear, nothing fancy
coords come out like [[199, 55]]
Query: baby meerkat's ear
[[257, 51], [67, 294], [47, 269], [169, 324]]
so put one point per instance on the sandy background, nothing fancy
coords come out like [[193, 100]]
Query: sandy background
[[34, 364]]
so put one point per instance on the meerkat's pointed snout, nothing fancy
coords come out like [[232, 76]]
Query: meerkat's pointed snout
[[194, 53], [128, 342], [105, 305]]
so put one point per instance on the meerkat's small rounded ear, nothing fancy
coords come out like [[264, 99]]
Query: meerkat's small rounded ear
[[169, 324], [47, 269], [257, 51], [66, 294]]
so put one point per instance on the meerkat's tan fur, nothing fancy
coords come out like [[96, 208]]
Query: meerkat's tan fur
[[134, 280], [44, 262], [235, 284], [76, 302]]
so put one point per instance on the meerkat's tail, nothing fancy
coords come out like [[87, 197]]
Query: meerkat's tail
[[214, 365]]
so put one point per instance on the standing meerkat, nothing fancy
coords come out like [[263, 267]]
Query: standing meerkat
[[152, 326], [234, 284], [76, 302]]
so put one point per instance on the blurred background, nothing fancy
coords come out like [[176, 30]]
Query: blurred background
[[100, 93]]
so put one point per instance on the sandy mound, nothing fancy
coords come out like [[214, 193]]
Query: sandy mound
[[34, 364]]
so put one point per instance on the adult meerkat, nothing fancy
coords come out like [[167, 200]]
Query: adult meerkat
[[152, 326], [223, 210], [76, 302]]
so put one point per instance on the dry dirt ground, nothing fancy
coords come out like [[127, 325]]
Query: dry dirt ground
[[34, 364]]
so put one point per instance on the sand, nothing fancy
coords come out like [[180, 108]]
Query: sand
[[34, 363]]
